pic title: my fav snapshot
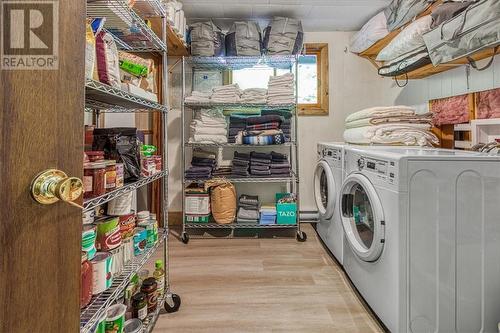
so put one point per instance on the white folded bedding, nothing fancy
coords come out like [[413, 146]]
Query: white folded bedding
[[203, 138], [208, 130], [392, 134], [416, 119], [381, 111]]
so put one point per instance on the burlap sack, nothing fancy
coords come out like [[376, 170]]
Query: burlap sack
[[223, 200]]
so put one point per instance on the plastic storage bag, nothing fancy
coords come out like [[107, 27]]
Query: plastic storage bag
[[207, 40], [400, 12], [222, 200], [120, 144], [108, 63], [283, 36], [407, 40], [244, 39], [475, 29], [373, 31]]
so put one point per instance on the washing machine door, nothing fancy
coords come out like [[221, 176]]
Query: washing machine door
[[362, 217], [324, 190]]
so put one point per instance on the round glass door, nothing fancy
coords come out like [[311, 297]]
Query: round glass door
[[324, 190], [362, 217]]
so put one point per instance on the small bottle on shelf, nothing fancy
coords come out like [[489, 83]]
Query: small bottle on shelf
[[159, 275]]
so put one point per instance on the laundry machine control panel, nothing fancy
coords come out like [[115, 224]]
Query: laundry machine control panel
[[384, 170], [332, 154]]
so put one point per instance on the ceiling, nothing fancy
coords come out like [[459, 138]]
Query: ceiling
[[316, 15]]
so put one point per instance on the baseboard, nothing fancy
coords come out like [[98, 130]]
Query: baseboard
[[174, 218]]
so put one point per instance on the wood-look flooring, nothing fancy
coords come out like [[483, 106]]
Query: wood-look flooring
[[261, 285]]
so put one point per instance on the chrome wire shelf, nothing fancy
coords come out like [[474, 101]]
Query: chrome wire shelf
[[125, 24], [92, 203], [238, 226], [102, 96], [291, 178], [90, 315], [235, 145], [150, 321], [232, 63], [149, 8], [238, 106]]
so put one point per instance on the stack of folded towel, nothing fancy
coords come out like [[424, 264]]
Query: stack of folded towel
[[199, 97], [202, 165], [260, 164], [241, 163], [248, 211], [254, 96], [209, 126], [237, 124], [227, 94], [281, 90], [263, 130], [267, 214], [392, 125], [280, 166]]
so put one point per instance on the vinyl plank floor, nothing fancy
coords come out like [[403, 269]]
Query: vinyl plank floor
[[261, 285]]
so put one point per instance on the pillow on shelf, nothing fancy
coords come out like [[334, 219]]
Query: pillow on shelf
[[409, 39], [373, 31]]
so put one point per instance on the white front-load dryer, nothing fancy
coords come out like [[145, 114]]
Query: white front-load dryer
[[328, 176], [421, 237]]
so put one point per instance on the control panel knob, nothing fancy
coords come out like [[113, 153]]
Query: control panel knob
[[361, 163]]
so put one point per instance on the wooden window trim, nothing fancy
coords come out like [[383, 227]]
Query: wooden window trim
[[320, 50]]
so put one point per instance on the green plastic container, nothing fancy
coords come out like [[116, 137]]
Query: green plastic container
[[115, 320]]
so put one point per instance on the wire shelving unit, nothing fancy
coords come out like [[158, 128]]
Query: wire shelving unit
[[132, 34], [225, 65]]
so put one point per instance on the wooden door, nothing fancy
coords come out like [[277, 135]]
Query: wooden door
[[41, 127]]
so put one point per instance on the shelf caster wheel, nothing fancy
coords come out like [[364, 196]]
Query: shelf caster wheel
[[185, 238], [172, 303], [301, 236]]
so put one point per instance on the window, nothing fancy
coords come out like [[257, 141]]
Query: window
[[313, 93], [313, 81]]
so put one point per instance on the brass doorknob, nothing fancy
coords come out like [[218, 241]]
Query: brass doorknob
[[53, 185]]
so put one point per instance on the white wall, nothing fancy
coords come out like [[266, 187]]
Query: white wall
[[451, 83], [354, 85]]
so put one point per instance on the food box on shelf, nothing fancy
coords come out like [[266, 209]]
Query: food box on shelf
[[286, 213]]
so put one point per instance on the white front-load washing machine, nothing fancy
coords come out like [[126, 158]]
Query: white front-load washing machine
[[328, 177], [422, 237]]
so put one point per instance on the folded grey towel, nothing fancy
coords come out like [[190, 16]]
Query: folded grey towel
[[248, 214]]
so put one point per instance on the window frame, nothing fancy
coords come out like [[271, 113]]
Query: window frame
[[320, 50]]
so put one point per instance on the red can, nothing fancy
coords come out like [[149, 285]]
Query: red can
[[127, 225], [86, 285]]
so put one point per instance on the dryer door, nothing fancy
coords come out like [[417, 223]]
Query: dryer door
[[362, 217], [324, 190]]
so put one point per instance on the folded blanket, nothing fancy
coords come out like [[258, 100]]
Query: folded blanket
[[249, 199], [264, 140], [392, 134], [204, 138], [266, 126], [264, 119], [384, 111], [208, 130], [415, 119], [241, 111], [248, 214]]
